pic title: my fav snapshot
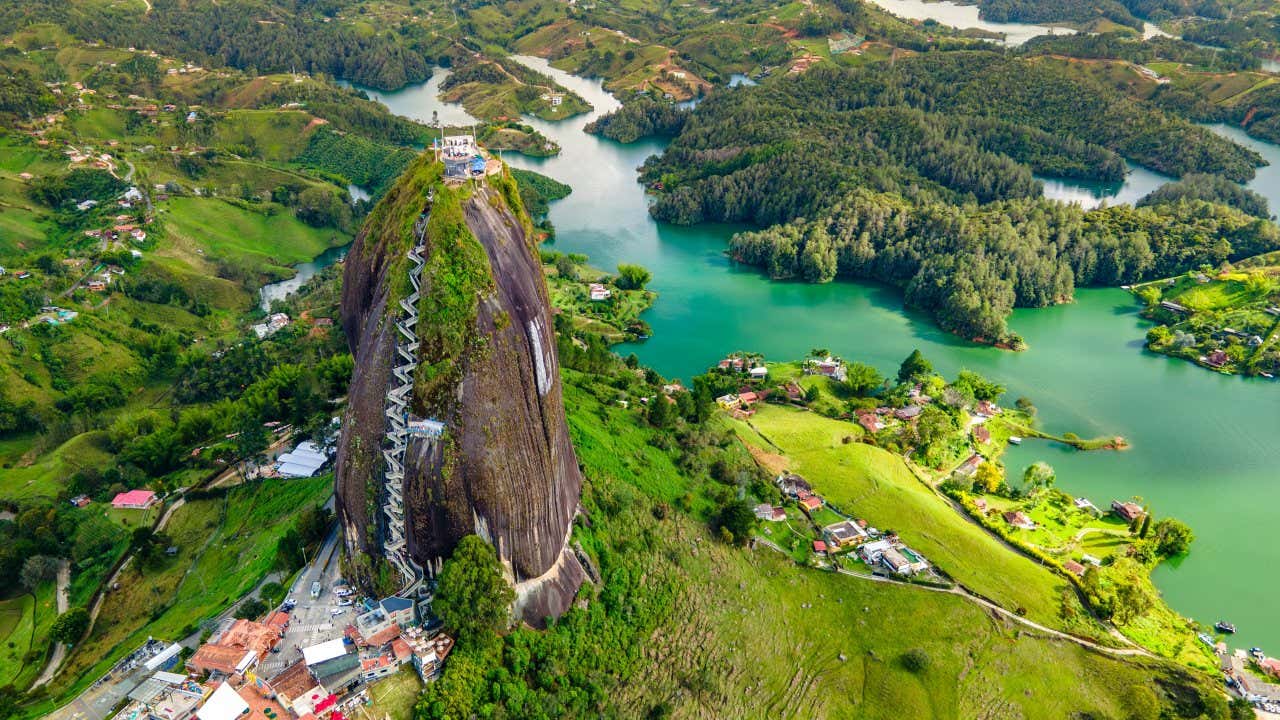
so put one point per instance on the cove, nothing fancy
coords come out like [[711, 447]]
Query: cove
[[966, 16], [1204, 445]]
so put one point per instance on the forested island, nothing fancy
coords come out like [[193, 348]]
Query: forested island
[[922, 176]]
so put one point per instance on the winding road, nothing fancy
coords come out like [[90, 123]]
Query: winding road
[[64, 600]]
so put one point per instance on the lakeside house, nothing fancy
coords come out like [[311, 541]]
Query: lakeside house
[[909, 412], [1087, 505], [758, 372], [1216, 359], [969, 467], [598, 292], [828, 367], [870, 422], [134, 500], [981, 434], [1173, 307], [729, 402], [1127, 511], [1019, 519]]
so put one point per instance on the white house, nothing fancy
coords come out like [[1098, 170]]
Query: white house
[[599, 292]]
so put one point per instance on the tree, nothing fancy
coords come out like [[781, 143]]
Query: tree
[[914, 368], [737, 519], [933, 425], [70, 626], [1134, 595], [37, 570], [473, 597], [1146, 526], [915, 660], [1025, 405], [565, 268], [863, 379], [319, 207], [272, 593], [659, 411], [973, 385], [989, 478], [251, 608], [1173, 537], [632, 277], [1241, 709], [1038, 475]]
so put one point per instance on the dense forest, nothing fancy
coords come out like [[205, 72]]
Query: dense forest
[[1210, 188], [971, 265], [263, 35], [1123, 46], [640, 117], [964, 126], [1122, 12]]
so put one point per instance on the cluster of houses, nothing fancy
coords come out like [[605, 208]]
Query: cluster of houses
[[828, 366], [274, 324], [223, 679], [872, 547], [102, 280]]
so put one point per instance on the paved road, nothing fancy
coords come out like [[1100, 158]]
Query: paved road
[[311, 622], [64, 601]]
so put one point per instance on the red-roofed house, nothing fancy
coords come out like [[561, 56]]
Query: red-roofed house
[[134, 500], [819, 546], [401, 650], [1271, 665], [811, 503], [1073, 567], [981, 434], [1019, 519], [382, 637], [1127, 510]]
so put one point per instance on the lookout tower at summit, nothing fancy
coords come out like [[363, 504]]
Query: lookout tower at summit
[[462, 157]]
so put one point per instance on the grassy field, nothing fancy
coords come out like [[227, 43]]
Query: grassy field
[[17, 625], [225, 547], [45, 476], [393, 697], [754, 635], [266, 241], [872, 483]]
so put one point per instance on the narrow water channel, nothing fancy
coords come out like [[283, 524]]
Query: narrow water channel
[[1204, 445]]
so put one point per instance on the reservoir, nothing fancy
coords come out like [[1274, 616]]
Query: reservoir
[[1205, 445], [966, 16]]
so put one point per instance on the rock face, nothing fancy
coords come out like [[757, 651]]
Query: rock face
[[505, 468]]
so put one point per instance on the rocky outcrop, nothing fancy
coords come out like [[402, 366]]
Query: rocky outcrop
[[505, 468]]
